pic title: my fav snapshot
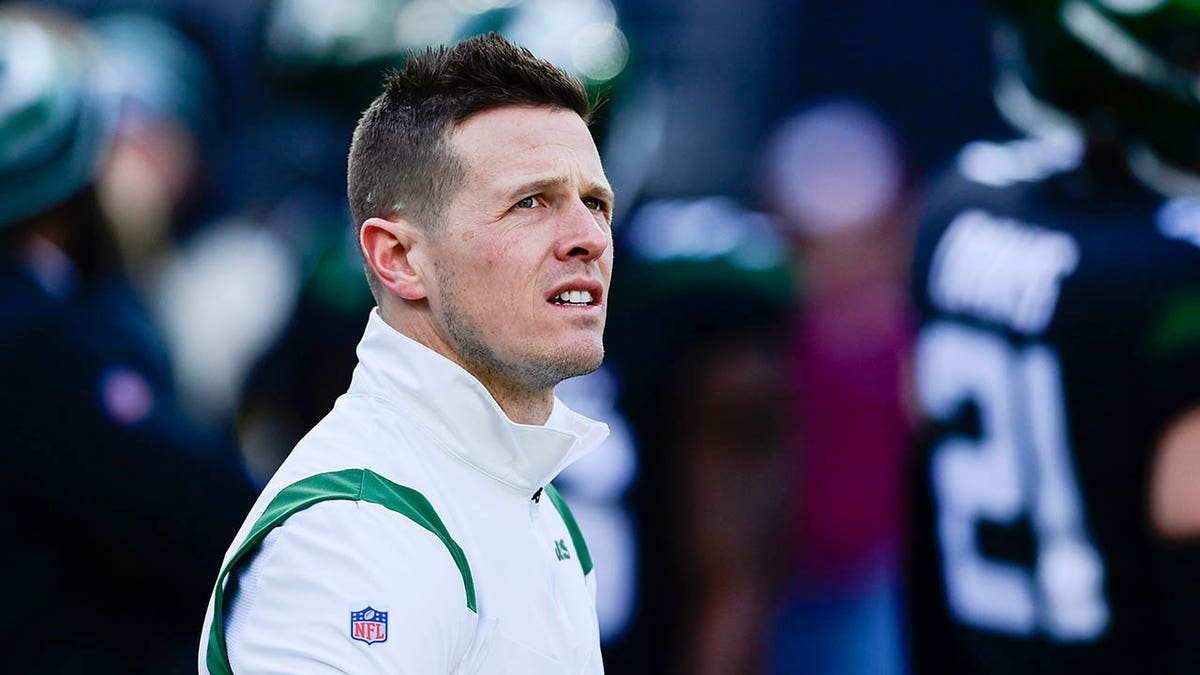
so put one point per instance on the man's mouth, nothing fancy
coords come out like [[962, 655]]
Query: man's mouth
[[575, 298]]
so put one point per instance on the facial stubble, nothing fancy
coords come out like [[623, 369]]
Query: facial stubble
[[529, 373]]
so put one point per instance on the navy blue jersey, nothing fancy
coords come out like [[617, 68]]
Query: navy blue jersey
[[1059, 336]]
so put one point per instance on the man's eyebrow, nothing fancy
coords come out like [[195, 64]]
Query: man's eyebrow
[[536, 186], [602, 191]]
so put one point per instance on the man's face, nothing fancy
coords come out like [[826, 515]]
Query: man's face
[[523, 254]]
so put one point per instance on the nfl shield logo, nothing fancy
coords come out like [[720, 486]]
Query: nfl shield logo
[[368, 625]]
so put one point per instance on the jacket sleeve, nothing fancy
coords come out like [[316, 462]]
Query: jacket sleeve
[[296, 602]]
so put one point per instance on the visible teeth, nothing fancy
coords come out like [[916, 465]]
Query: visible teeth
[[575, 297]]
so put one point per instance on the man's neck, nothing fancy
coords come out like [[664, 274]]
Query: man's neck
[[520, 404]]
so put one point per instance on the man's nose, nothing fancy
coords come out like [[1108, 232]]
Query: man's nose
[[583, 235]]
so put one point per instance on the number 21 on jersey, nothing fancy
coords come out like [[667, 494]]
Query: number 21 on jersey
[[1018, 466]]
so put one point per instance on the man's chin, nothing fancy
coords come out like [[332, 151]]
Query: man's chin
[[588, 367], [571, 363], [583, 363]]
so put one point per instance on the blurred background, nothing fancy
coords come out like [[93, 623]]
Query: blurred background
[[766, 156]]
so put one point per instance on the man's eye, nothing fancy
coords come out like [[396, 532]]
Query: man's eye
[[526, 203], [593, 204]]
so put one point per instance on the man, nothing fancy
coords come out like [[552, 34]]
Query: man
[[1058, 359], [115, 508], [414, 529]]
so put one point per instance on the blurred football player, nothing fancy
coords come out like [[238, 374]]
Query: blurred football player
[[1058, 360], [115, 505]]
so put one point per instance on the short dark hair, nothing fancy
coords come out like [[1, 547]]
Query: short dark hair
[[400, 160]]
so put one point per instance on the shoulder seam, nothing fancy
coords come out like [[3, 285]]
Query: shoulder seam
[[306, 492]]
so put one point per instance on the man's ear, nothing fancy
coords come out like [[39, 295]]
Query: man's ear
[[388, 248]]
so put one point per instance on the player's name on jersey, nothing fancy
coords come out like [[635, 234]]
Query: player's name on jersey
[[1001, 270]]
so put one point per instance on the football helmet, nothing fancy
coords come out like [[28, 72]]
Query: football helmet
[[1125, 71]]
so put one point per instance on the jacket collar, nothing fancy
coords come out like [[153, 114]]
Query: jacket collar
[[461, 413]]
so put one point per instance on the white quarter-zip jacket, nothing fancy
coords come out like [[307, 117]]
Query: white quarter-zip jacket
[[412, 531]]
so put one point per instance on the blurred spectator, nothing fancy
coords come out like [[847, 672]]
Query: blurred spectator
[[166, 94], [695, 338], [116, 509], [837, 179], [193, 276], [1055, 522]]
